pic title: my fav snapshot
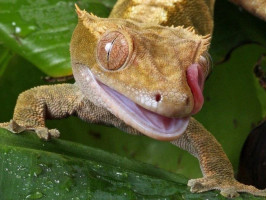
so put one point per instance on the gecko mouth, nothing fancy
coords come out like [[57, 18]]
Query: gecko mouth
[[153, 124], [147, 122]]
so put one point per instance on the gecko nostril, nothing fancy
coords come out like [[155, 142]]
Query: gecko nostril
[[187, 101], [157, 97]]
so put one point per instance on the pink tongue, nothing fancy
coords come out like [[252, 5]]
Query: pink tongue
[[195, 79]]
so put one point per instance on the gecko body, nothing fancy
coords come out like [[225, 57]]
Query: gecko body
[[141, 70]]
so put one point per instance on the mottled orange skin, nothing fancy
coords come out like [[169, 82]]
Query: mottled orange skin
[[197, 14]]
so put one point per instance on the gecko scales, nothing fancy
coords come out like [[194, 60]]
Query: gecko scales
[[142, 70]]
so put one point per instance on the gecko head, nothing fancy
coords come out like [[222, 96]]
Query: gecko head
[[148, 75]]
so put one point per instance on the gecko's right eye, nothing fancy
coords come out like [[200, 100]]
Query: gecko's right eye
[[113, 51]]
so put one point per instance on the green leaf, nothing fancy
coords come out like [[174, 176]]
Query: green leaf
[[5, 56], [40, 31], [35, 169]]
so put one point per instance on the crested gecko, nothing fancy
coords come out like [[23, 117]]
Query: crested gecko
[[142, 70]]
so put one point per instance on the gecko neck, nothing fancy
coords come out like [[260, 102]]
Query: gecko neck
[[168, 13]]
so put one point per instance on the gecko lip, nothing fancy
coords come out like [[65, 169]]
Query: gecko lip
[[195, 80], [158, 126]]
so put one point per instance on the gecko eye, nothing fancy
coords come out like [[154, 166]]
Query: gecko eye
[[113, 51]]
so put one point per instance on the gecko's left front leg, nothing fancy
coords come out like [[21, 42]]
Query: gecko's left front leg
[[36, 105]]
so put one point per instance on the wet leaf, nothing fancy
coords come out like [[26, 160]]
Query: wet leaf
[[34, 169]]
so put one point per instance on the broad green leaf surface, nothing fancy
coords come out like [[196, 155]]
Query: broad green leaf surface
[[41, 30], [34, 169], [234, 99]]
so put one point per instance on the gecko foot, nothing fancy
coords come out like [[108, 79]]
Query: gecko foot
[[42, 132], [228, 187], [13, 127]]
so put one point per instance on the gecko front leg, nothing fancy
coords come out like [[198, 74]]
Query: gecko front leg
[[216, 168], [36, 105]]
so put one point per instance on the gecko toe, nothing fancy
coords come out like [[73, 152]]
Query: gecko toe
[[250, 189], [43, 133], [54, 133], [12, 126], [195, 185], [46, 134], [229, 192], [201, 184]]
